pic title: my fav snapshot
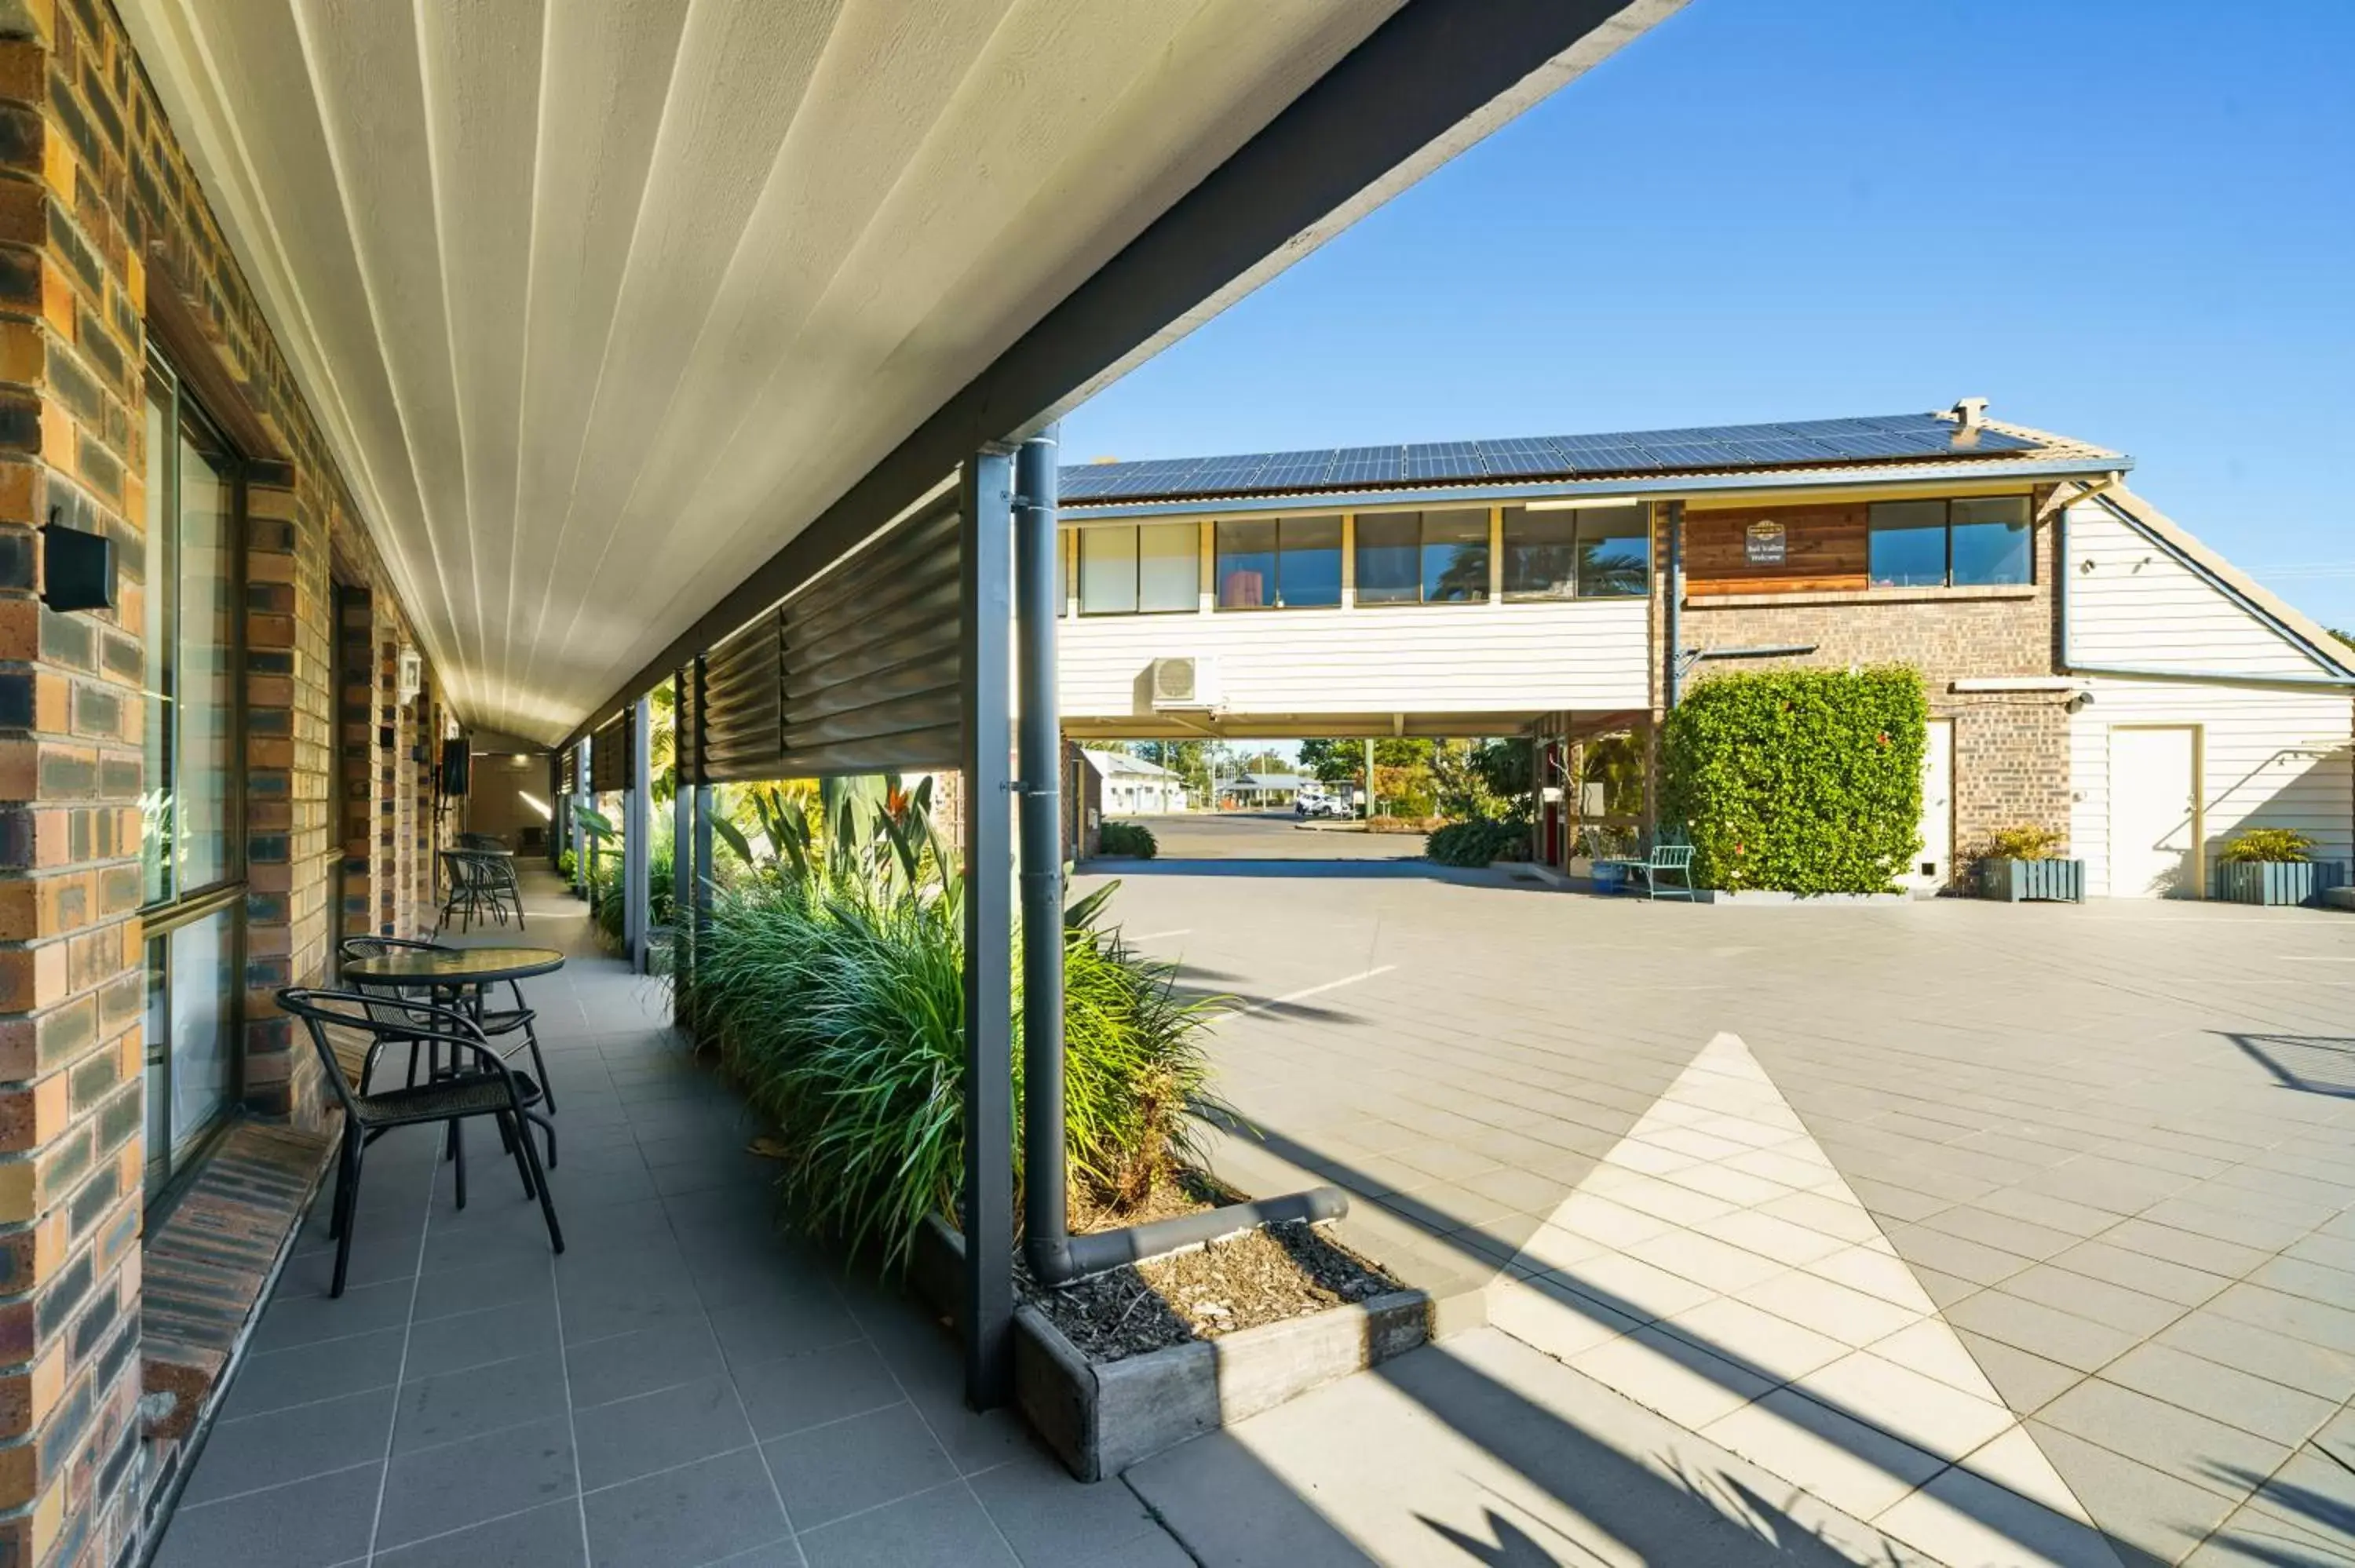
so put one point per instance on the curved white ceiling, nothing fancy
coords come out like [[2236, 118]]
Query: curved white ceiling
[[599, 301]]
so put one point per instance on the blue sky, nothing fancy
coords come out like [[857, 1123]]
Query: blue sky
[[2129, 220]]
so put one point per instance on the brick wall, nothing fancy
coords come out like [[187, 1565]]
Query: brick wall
[[106, 242], [2011, 759]]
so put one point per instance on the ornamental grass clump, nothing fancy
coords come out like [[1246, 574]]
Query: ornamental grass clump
[[2281, 845], [831, 979]]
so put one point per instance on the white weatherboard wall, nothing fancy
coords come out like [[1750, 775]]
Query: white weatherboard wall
[[2273, 757], [1427, 658]]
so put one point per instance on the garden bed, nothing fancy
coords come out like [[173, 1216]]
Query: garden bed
[[1270, 1275], [1117, 1368]]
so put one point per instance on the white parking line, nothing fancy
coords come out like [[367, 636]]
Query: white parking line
[[1163, 935], [1314, 991]]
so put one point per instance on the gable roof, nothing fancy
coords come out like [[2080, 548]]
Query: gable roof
[[2315, 638], [1862, 447]]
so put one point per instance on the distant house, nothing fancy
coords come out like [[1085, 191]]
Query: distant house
[[1260, 789], [1132, 786]]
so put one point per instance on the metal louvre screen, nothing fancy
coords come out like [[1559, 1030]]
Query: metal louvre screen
[[872, 658], [568, 777], [738, 697], [685, 708], [609, 754]]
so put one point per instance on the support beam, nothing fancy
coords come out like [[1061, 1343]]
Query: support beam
[[988, 1206], [580, 798], [682, 834]]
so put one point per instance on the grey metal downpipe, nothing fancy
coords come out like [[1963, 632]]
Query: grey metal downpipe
[[1672, 632], [1055, 1256], [1038, 745]]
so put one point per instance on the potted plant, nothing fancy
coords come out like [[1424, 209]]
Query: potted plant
[[2275, 865], [2026, 863]]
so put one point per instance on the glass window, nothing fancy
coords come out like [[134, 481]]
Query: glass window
[[1064, 573], [1169, 567], [1246, 555], [1107, 571], [1540, 554], [207, 669], [160, 595], [1455, 556], [1991, 538], [1614, 552], [1309, 576], [192, 979], [1908, 543], [1388, 567]]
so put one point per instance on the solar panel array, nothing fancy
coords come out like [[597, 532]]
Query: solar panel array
[[1799, 443]]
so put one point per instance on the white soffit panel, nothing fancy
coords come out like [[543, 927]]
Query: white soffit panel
[[599, 301]]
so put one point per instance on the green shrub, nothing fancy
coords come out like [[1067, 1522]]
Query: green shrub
[[1127, 841], [832, 984], [1801, 781], [2268, 844], [2025, 842], [1475, 842]]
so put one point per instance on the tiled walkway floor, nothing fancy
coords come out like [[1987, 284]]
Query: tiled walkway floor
[[680, 1388]]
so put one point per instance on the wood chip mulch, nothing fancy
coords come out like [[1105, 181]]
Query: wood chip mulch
[[1258, 1277]]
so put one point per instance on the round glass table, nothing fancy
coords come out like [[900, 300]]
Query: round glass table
[[454, 969]]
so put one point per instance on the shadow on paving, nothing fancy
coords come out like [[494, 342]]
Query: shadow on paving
[[2312, 1065], [1489, 1422]]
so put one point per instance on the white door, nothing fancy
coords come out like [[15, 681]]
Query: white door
[[1934, 861], [2155, 812]]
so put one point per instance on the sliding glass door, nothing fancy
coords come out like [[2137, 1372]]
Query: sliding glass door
[[192, 844]]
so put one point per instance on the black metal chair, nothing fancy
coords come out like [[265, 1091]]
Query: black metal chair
[[495, 1022], [481, 842], [491, 1088], [483, 886]]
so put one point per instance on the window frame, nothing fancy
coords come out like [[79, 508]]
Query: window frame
[[1341, 548], [166, 1171], [1355, 580], [1945, 504], [1078, 598]]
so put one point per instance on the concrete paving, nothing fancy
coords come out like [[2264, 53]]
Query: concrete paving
[[2107, 1149], [1273, 835]]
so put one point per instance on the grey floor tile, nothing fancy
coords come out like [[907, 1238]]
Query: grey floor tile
[[290, 1444], [323, 1520], [2296, 1317], [545, 1536], [435, 1490], [762, 1332], [272, 1380], [2103, 1259], [452, 1405], [2128, 1310], [2314, 1493], [2269, 1355], [291, 1320], [2027, 1381], [614, 1303], [2143, 1506], [506, 1281], [478, 1338], [794, 1393], [940, 1529], [1054, 1522], [2234, 1397], [684, 1517], [632, 1437], [643, 1360], [830, 1471]]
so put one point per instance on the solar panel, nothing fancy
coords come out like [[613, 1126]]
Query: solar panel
[[1369, 465], [1823, 428], [1615, 460], [1445, 459], [1694, 454], [1987, 440], [1085, 480], [1225, 476], [1781, 448], [1523, 456], [1296, 471]]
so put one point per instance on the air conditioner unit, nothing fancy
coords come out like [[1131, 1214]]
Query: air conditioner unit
[[1188, 683]]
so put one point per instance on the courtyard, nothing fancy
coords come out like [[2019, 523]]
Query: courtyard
[[2101, 1152]]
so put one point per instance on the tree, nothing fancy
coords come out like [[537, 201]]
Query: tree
[[1334, 761]]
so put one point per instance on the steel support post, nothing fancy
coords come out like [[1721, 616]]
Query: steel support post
[[682, 834], [985, 653]]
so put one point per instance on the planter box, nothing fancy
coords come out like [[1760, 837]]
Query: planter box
[[1101, 1417], [2279, 881], [2059, 881], [1753, 897]]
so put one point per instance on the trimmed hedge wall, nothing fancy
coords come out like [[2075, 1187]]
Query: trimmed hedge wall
[[1798, 781]]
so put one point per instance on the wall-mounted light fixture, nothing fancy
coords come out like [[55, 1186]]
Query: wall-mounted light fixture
[[77, 567], [408, 676]]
